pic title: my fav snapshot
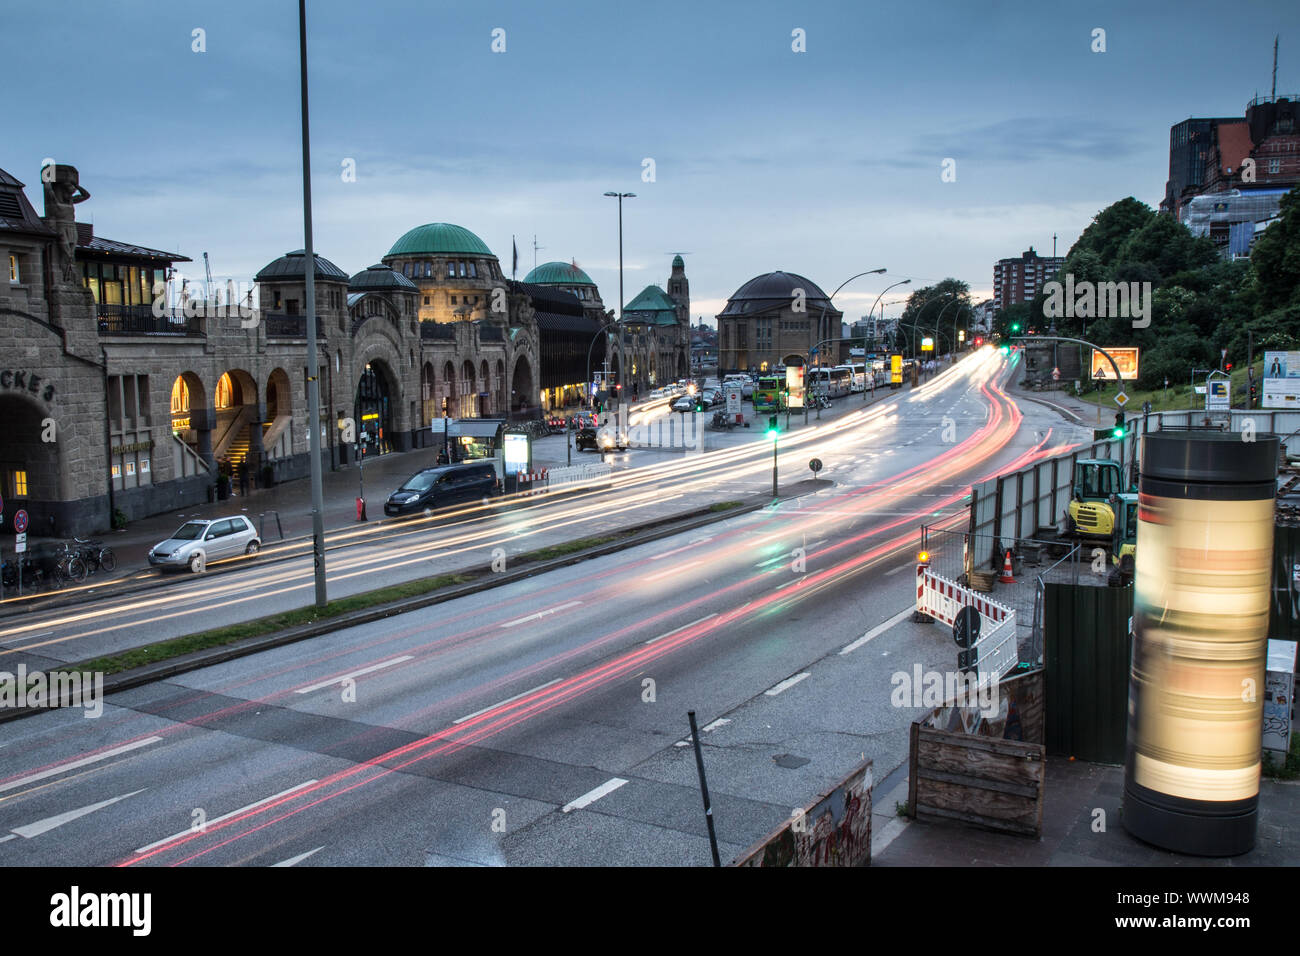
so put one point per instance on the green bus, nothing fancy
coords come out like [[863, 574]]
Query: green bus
[[769, 394]]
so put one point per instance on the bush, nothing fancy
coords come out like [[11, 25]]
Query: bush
[[119, 519]]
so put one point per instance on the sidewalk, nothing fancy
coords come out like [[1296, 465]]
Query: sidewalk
[[1073, 793]]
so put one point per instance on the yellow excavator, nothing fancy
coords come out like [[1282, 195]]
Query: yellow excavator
[[1091, 512]]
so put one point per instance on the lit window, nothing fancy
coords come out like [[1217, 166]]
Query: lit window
[[20, 484], [13, 268], [144, 466]]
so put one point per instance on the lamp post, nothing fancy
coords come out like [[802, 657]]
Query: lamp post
[[821, 331], [313, 370], [867, 371], [622, 353], [939, 322]]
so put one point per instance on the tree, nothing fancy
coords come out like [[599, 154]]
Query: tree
[[1275, 258], [1109, 229]]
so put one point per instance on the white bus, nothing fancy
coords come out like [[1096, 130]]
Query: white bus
[[858, 377], [831, 382]]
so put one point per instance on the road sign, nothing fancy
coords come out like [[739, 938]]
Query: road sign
[[20, 521], [815, 465], [1218, 394], [966, 628], [1056, 375], [1121, 399], [20, 543]]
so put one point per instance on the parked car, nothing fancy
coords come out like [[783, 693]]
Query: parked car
[[441, 486], [198, 543], [684, 404]]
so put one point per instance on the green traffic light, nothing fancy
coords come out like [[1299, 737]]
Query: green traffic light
[[1118, 433], [1006, 350], [1015, 326]]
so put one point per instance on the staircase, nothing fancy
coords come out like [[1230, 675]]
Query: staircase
[[237, 450]]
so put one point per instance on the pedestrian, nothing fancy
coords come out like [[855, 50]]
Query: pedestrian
[[243, 479]]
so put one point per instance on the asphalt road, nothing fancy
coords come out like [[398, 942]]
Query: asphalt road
[[543, 722]]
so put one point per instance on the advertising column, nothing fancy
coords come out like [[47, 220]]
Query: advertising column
[[1201, 608]]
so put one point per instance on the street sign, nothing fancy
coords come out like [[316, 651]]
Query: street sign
[[734, 399], [20, 521], [1218, 394], [1121, 399], [1056, 375], [20, 543], [966, 628], [815, 465], [438, 426]]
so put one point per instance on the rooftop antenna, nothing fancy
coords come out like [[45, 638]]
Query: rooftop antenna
[[1275, 36], [535, 248]]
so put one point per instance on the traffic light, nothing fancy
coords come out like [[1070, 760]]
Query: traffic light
[[1227, 366], [1252, 395], [773, 425], [1015, 328], [1119, 425]]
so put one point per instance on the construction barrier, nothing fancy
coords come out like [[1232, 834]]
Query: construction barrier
[[995, 651]]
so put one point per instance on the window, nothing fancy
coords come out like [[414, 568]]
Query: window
[[13, 268], [473, 271], [406, 269], [426, 300], [277, 301], [19, 484], [428, 270], [462, 268], [1274, 166], [453, 300]]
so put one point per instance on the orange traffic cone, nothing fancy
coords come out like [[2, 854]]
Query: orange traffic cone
[[1007, 577]]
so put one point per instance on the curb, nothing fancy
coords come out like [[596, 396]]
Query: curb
[[1052, 405], [195, 660]]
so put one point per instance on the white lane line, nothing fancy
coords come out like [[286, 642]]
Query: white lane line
[[671, 571], [700, 540], [786, 684], [541, 614], [225, 817], [704, 730], [297, 859], [656, 557], [365, 670], [49, 823], [682, 628], [901, 567], [84, 761], [6, 839], [876, 631], [502, 703], [591, 796]]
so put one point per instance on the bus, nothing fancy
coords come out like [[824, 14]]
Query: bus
[[831, 382], [858, 377], [769, 394]]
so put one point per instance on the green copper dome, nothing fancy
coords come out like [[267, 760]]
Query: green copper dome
[[678, 263], [439, 239], [558, 273]]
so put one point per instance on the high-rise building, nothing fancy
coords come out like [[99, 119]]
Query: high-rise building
[[1019, 280]]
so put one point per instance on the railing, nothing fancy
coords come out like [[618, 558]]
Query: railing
[[188, 462], [141, 320], [437, 330], [282, 326], [491, 333]]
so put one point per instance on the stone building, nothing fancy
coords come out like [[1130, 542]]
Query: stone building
[[118, 399], [775, 319]]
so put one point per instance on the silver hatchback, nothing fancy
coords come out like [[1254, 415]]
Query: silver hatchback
[[197, 543]]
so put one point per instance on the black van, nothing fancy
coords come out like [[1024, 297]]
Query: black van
[[441, 486]]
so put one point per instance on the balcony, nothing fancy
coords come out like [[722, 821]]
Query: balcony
[[440, 331], [281, 325], [141, 320]]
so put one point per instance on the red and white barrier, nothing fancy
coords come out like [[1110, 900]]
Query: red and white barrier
[[941, 599]]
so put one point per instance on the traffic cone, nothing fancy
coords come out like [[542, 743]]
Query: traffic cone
[[1007, 577]]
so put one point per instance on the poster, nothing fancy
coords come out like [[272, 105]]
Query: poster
[[1282, 365], [1125, 358], [794, 386]]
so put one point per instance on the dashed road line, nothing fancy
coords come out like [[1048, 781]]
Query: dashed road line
[[224, 817], [94, 758], [682, 628], [502, 703], [365, 670], [786, 684], [541, 614], [591, 796], [876, 631]]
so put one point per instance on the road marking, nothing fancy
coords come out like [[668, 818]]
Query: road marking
[[901, 567], [541, 614], [365, 670], [786, 684], [876, 631], [699, 540], [6, 839], [225, 817], [656, 557], [682, 628], [297, 859], [502, 703], [54, 771], [704, 730], [670, 571], [49, 823], [591, 796]]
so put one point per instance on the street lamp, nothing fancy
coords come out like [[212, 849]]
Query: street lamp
[[622, 353], [821, 331], [939, 322]]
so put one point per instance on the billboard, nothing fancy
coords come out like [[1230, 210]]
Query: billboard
[[518, 452], [895, 369], [1281, 380], [1125, 358], [1218, 394], [794, 386]]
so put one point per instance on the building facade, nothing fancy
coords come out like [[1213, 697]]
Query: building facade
[[776, 319], [123, 400], [1019, 280]]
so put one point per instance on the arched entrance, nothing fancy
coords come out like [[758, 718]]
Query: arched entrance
[[190, 423], [431, 408], [521, 388], [448, 405], [468, 391], [29, 466], [277, 436], [235, 404], [374, 410], [484, 389]]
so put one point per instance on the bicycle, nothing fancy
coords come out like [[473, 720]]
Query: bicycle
[[95, 555], [68, 564]]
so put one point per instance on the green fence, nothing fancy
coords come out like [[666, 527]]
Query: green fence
[[1086, 657]]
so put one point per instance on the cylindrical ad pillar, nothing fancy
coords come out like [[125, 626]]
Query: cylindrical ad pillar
[[1204, 555]]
